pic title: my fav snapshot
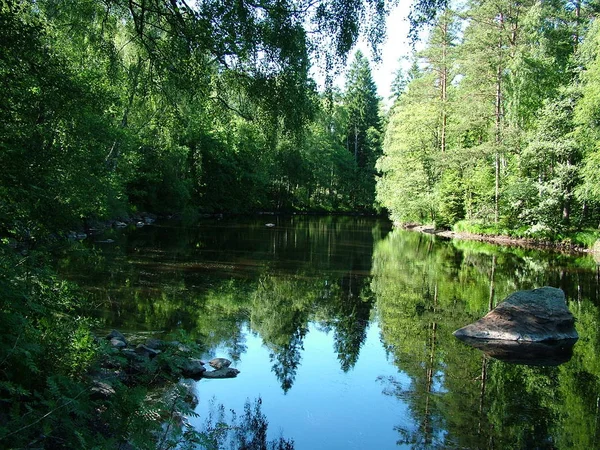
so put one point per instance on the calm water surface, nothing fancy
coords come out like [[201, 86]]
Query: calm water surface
[[343, 328]]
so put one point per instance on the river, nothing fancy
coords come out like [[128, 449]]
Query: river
[[343, 328]]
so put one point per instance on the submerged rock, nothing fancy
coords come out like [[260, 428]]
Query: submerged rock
[[533, 316], [226, 372]]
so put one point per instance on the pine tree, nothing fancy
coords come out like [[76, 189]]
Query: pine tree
[[363, 128]]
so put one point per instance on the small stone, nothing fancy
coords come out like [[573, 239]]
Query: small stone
[[117, 343], [101, 390], [118, 335], [143, 350], [183, 348], [155, 344], [130, 354], [219, 363]]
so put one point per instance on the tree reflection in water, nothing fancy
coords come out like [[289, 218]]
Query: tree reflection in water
[[459, 397], [248, 431], [341, 274]]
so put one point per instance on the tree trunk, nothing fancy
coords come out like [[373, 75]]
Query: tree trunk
[[113, 153], [484, 364], [566, 211], [444, 83], [492, 285], [577, 21], [427, 422], [498, 135], [356, 143]]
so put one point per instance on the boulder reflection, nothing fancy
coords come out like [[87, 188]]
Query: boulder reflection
[[549, 353]]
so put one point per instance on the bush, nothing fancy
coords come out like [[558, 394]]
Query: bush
[[451, 200]]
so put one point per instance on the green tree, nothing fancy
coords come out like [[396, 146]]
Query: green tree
[[418, 131], [550, 162], [363, 128], [408, 172], [586, 119]]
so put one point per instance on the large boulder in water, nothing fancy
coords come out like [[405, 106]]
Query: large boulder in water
[[526, 316]]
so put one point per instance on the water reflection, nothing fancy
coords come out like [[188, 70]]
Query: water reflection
[[458, 397], [230, 283], [547, 353]]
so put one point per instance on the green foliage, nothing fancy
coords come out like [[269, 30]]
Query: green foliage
[[363, 129], [585, 238], [47, 350], [513, 137], [54, 131], [451, 207], [113, 107]]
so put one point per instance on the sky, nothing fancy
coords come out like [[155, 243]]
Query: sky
[[395, 46]]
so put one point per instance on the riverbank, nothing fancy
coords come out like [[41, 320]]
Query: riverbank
[[537, 244]]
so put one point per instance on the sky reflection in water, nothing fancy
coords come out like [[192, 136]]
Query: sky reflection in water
[[326, 408]]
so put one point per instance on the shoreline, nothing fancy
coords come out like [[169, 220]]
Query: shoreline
[[533, 244]]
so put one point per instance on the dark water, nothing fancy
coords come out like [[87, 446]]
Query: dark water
[[343, 328]]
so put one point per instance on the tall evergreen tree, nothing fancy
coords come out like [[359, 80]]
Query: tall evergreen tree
[[363, 128]]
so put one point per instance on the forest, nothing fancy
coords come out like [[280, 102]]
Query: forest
[[494, 128], [113, 107]]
